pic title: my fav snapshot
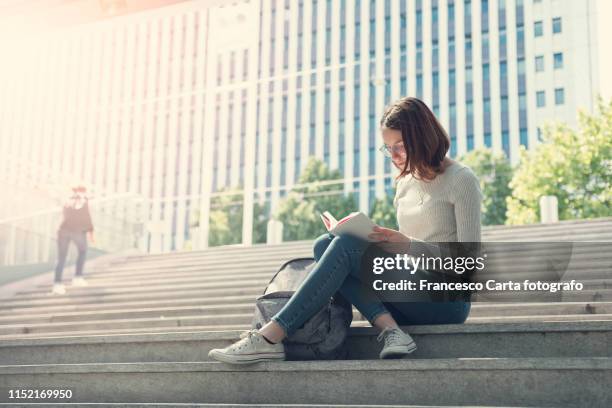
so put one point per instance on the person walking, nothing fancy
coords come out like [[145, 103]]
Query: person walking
[[76, 226]]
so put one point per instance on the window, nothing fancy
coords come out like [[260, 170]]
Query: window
[[558, 60], [539, 63], [520, 66], [557, 26], [538, 28], [540, 99], [559, 96]]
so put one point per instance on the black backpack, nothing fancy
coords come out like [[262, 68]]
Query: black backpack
[[323, 336]]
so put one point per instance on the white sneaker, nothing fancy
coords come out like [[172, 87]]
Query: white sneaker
[[58, 289], [397, 343], [79, 281], [252, 348]]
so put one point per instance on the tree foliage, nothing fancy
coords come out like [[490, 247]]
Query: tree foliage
[[300, 210], [575, 165], [494, 173], [383, 212]]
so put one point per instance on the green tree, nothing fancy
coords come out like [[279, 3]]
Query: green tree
[[494, 173], [261, 214], [575, 165], [225, 219], [299, 211], [383, 212]]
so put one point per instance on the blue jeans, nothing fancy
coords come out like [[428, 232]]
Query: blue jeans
[[337, 270], [63, 240]]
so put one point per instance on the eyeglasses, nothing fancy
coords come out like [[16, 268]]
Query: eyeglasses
[[397, 148]]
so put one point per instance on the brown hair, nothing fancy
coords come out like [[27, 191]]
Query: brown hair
[[425, 140]]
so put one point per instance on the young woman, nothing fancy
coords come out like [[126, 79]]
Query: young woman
[[437, 200], [76, 226]]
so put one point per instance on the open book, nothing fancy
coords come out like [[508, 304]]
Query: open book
[[357, 224]]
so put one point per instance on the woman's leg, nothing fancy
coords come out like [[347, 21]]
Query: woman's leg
[[63, 240], [353, 290], [80, 240], [337, 270]]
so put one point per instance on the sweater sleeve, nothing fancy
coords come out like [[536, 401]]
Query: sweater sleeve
[[467, 197]]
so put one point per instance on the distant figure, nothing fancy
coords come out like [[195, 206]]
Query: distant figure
[[76, 225]]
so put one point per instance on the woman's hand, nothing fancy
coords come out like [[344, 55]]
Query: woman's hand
[[388, 235]]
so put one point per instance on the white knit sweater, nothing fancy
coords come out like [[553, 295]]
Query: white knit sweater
[[446, 209]]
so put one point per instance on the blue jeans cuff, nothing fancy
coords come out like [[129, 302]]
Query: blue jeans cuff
[[377, 313], [282, 324]]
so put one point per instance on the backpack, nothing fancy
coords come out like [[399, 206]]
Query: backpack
[[323, 336]]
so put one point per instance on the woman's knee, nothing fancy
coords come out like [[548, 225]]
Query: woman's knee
[[320, 245], [349, 242], [346, 242]]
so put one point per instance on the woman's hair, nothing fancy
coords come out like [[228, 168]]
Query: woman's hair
[[425, 141]]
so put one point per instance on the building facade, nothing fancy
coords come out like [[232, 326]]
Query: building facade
[[179, 103]]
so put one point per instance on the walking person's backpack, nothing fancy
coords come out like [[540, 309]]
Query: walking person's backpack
[[323, 336]]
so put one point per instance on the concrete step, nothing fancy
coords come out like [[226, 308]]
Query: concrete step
[[214, 405], [196, 301], [575, 225], [136, 330], [168, 281], [539, 230], [480, 309], [547, 248], [563, 226], [218, 310], [86, 292], [243, 326], [585, 295], [215, 258], [173, 321], [221, 250], [561, 382], [122, 305], [69, 299], [585, 276], [198, 270], [209, 316], [208, 307], [542, 318], [601, 273], [533, 339], [275, 260], [591, 236], [287, 252], [592, 270], [514, 254], [233, 288]]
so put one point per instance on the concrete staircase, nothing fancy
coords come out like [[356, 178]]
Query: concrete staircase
[[141, 331]]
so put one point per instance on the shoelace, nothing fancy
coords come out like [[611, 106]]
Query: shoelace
[[249, 333], [389, 333]]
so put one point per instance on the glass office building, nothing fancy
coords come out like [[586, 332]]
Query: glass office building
[[184, 101]]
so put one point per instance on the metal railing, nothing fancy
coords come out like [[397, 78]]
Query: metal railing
[[32, 238]]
